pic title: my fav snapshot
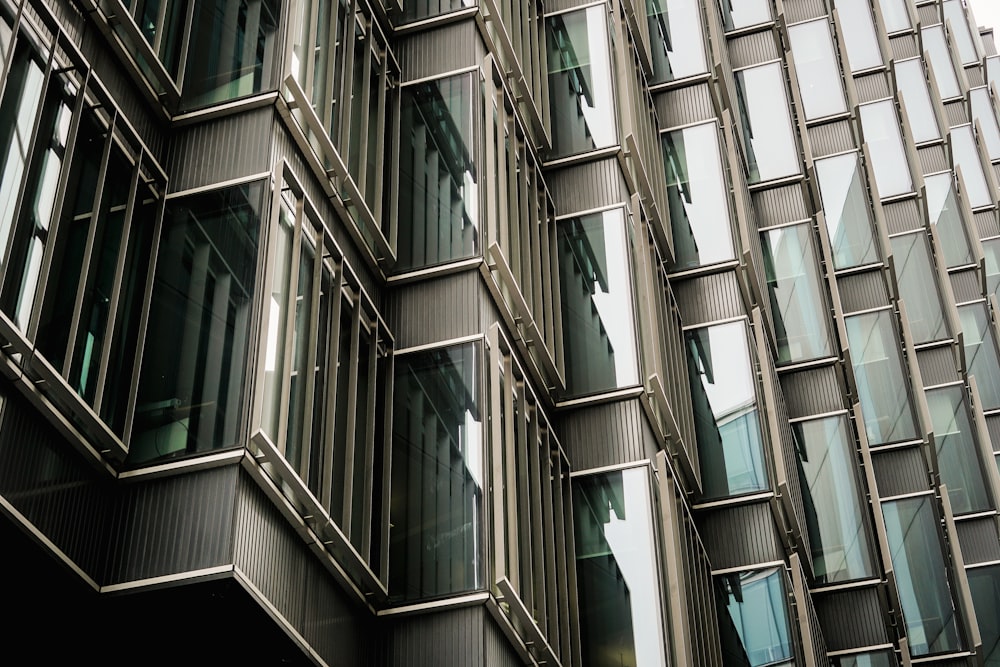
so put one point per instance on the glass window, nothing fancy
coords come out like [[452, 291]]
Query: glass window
[[756, 603], [918, 561], [955, 12], [817, 69], [981, 352], [738, 14], [436, 504], [982, 110], [991, 250], [191, 391], [841, 545], [984, 583], [438, 177], [617, 570], [858, 27], [881, 377], [768, 137], [875, 659], [966, 157], [581, 94], [895, 15], [727, 421], [993, 71], [944, 212], [846, 209], [796, 294], [936, 46], [912, 84], [957, 450], [881, 131], [918, 289], [677, 39], [698, 196]]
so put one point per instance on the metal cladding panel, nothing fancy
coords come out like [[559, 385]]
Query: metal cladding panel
[[607, 434], [584, 187], [335, 627], [966, 286], [709, 298], [989, 45], [684, 106], [904, 46], [986, 221], [552, 6], [872, 87], [851, 618], [741, 535], [903, 216], [862, 291], [979, 540], [813, 391], [956, 113], [933, 159], [937, 365], [993, 426], [996, 173], [900, 471], [753, 49], [431, 52], [975, 76], [779, 205], [172, 525], [803, 10], [928, 14], [438, 309], [221, 149], [499, 652], [832, 138], [453, 638]]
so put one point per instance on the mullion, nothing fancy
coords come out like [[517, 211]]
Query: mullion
[[352, 417], [305, 450], [285, 386], [333, 360], [369, 445]]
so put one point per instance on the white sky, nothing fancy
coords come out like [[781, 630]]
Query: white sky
[[987, 13]]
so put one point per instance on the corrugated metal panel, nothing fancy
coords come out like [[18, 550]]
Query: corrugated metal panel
[[587, 186], [956, 113], [814, 391], [899, 471], [966, 286], [996, 170], [986, 221], [684, 106], [975, 76], [872, 87], [778, 205], [753, 49], [335, 627], [937, 365], [902, 216], [831, 138], [803, 10], [979, 540], [862, 291], [851, 618], [741, 536], [608, 434], [499, 652], [993, 426], [904, 46], [928, 14], [221, 149], [446, 639], [446, 49], [933, 159], [437, 309], [709, 298], [560, 5], [989, 45]]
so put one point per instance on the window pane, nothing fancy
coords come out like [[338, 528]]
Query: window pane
[[954, 12], [984, 583], [277, 317], [944, 71], [859, 34], [880, 127], [435, 513], [991, 249], [744, 13], [581, 97], [915, 548], [768, 136], [727, 422], [846, 209], [957, 450], [616, 570], [918, 289], [895, 15], [881, 377], [797, 303], [943, 211], [982, 110], [981, 352], [756, 602], [676, 37], [878, 659], [966, 156], [817, 69], [912, 84], [698, 196]]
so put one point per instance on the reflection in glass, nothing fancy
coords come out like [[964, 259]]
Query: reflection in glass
[[881, 377], [874, 659], [894, 14], [912, 84], [744, 13], [935, 45], [676, 38], [966, 156], [438, 181], [756, 602], [943, 211], [859, 34], [915, 549], [616, 569], [915, 275], [841, 546], [435, 511], [817, 69], [982, 110], [795, 293], [845, 207], [881, 131], [698, 196], [598, 320], [981, 352], [277, 307], [581, 97], [984, 584], [957, 450], [768, 136], [727, 422], [991, 250], [961, 35]]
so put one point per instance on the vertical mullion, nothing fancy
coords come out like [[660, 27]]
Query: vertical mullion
[[569, 548], [161, 17], [489, 141], [15, 28], [535, 493], [526, 585], [326, 110], [185, 43], [496, 459], [557, 322], [559, 509], [510, 472], [366, 95], [385, 488], [383, 83], [347, 84], [531, 197], [281, 434], [548, 296], [333, 360], [352, 416], [369, 446], [502, 171], [552, 575], [311, 353]]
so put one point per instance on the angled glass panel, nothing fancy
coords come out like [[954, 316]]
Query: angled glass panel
[[768, 135], [795, 292], [984, 583], [621, 620], [982, 110], [677, 39], [993, 71], [917, 559], [847, 211], [912, 84], [936, 46], [881, 377], [698, 196], [895, 15], [859, 34], [881, 130], [954, 12], [817, 69], [277, 313], [756, 602], [874, 659], [966, 156], [738, 14], [944, 212], [957, 450], [581, 93], [918, 288], [727, 421], [991, 249], [981, 352]]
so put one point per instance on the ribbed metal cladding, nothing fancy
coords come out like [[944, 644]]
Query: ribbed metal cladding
[[499, 652], [993, 426], [979, 540], [904, 46], [587, 186], [819, 646], [851, 618], [975, 76], [956, 113], [172, 525], [447, 639], [753, 49], [803, 10], [560, 5], [928, 14], [814, 391], [832, 138], [986, 221], [872, 87], [791, 456], [966, 285], [451, 47], [937, 365], [862, 291], [778, 205], [607, 434], [902, 216], [336, 627], [996, 172], [933, 159], [684, 106], [989, 46], [227, 148], [709, 298], [435, 310], [900, 471], [741, 535]]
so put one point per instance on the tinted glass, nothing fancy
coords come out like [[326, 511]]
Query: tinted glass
[[859, 34], [984, 583], [756, 602], [877, 659], [676, 38], [944, 212], [817, 69], [769, 139], [981, 352], [991, 250], [912, 84], [966, 155], [957, 450], [915, 275], [982, 110], [846, 209], [881, 130]]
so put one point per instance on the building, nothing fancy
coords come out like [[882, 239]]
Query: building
[[493, 332]]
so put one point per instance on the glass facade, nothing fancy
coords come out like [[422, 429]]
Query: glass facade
[[755, 601], [677, 39], [860, 37], [881, 130], [766, 124], [957, 450], [915, 276], [874, 659], [981, 357], [817, 69], [847, 210], [895, 15], [983, 111], [966, 155], [945, 213], [934, 43], [984, 583], [745, 13], [912, 84]]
